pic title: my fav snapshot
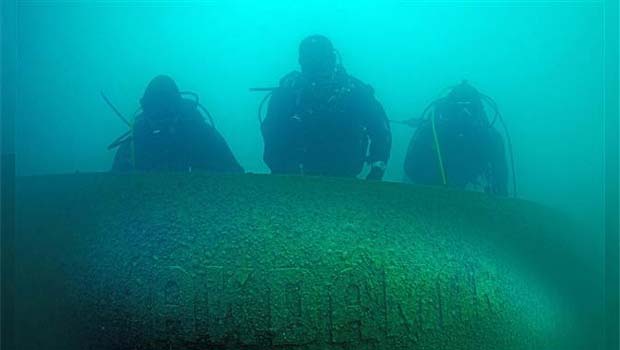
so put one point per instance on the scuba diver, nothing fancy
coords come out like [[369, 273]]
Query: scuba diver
[[456, 145], [322, 121], [170, 133]]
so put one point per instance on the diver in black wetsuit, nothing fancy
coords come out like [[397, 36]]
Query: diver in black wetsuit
[[170, 134], [456, 145], [322, 121]]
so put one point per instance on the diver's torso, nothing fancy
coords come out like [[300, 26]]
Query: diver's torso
[[171, 144], [331, 129], [464, 149]]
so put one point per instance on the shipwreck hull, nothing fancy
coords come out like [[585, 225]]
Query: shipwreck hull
[[197, 261]]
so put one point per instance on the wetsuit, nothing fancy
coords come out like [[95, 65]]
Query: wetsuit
[[183, 142], [472, 152], [328, 128]]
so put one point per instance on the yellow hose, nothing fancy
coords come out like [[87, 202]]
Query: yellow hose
[[438, 150], [133, 145], [133, 154]]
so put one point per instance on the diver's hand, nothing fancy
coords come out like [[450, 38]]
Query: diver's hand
[[376, 171], [412, 123]]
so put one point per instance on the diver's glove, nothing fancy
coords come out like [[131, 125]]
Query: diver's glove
[[377, 169]]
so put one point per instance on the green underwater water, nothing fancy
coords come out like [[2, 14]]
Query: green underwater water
[[540, 60], [310, 263]]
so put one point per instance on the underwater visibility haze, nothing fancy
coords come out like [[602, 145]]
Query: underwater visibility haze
[[541, 62], [192, 261]]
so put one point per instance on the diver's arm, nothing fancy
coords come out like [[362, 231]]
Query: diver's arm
[[123, 159], [209, 149], [411, 167], [499, 166], [380, 137], [278, 133], [224, 159]]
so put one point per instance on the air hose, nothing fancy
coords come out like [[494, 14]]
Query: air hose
[[262, 106], [498, 116], [200, 106], [442, 170]]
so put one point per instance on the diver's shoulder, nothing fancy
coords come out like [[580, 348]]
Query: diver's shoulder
[[360, 86], [139, 120], [494, 134], [188, 105], [291, 80], [190, 110]]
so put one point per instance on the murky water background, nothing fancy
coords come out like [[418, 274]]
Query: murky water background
[[540, 60]]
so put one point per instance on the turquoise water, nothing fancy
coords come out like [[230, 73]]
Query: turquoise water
[[95, 251], [541, 61]]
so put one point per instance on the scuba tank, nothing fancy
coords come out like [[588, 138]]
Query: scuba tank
[[438, 107]]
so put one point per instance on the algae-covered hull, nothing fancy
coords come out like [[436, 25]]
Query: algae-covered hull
[[196, 261]]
